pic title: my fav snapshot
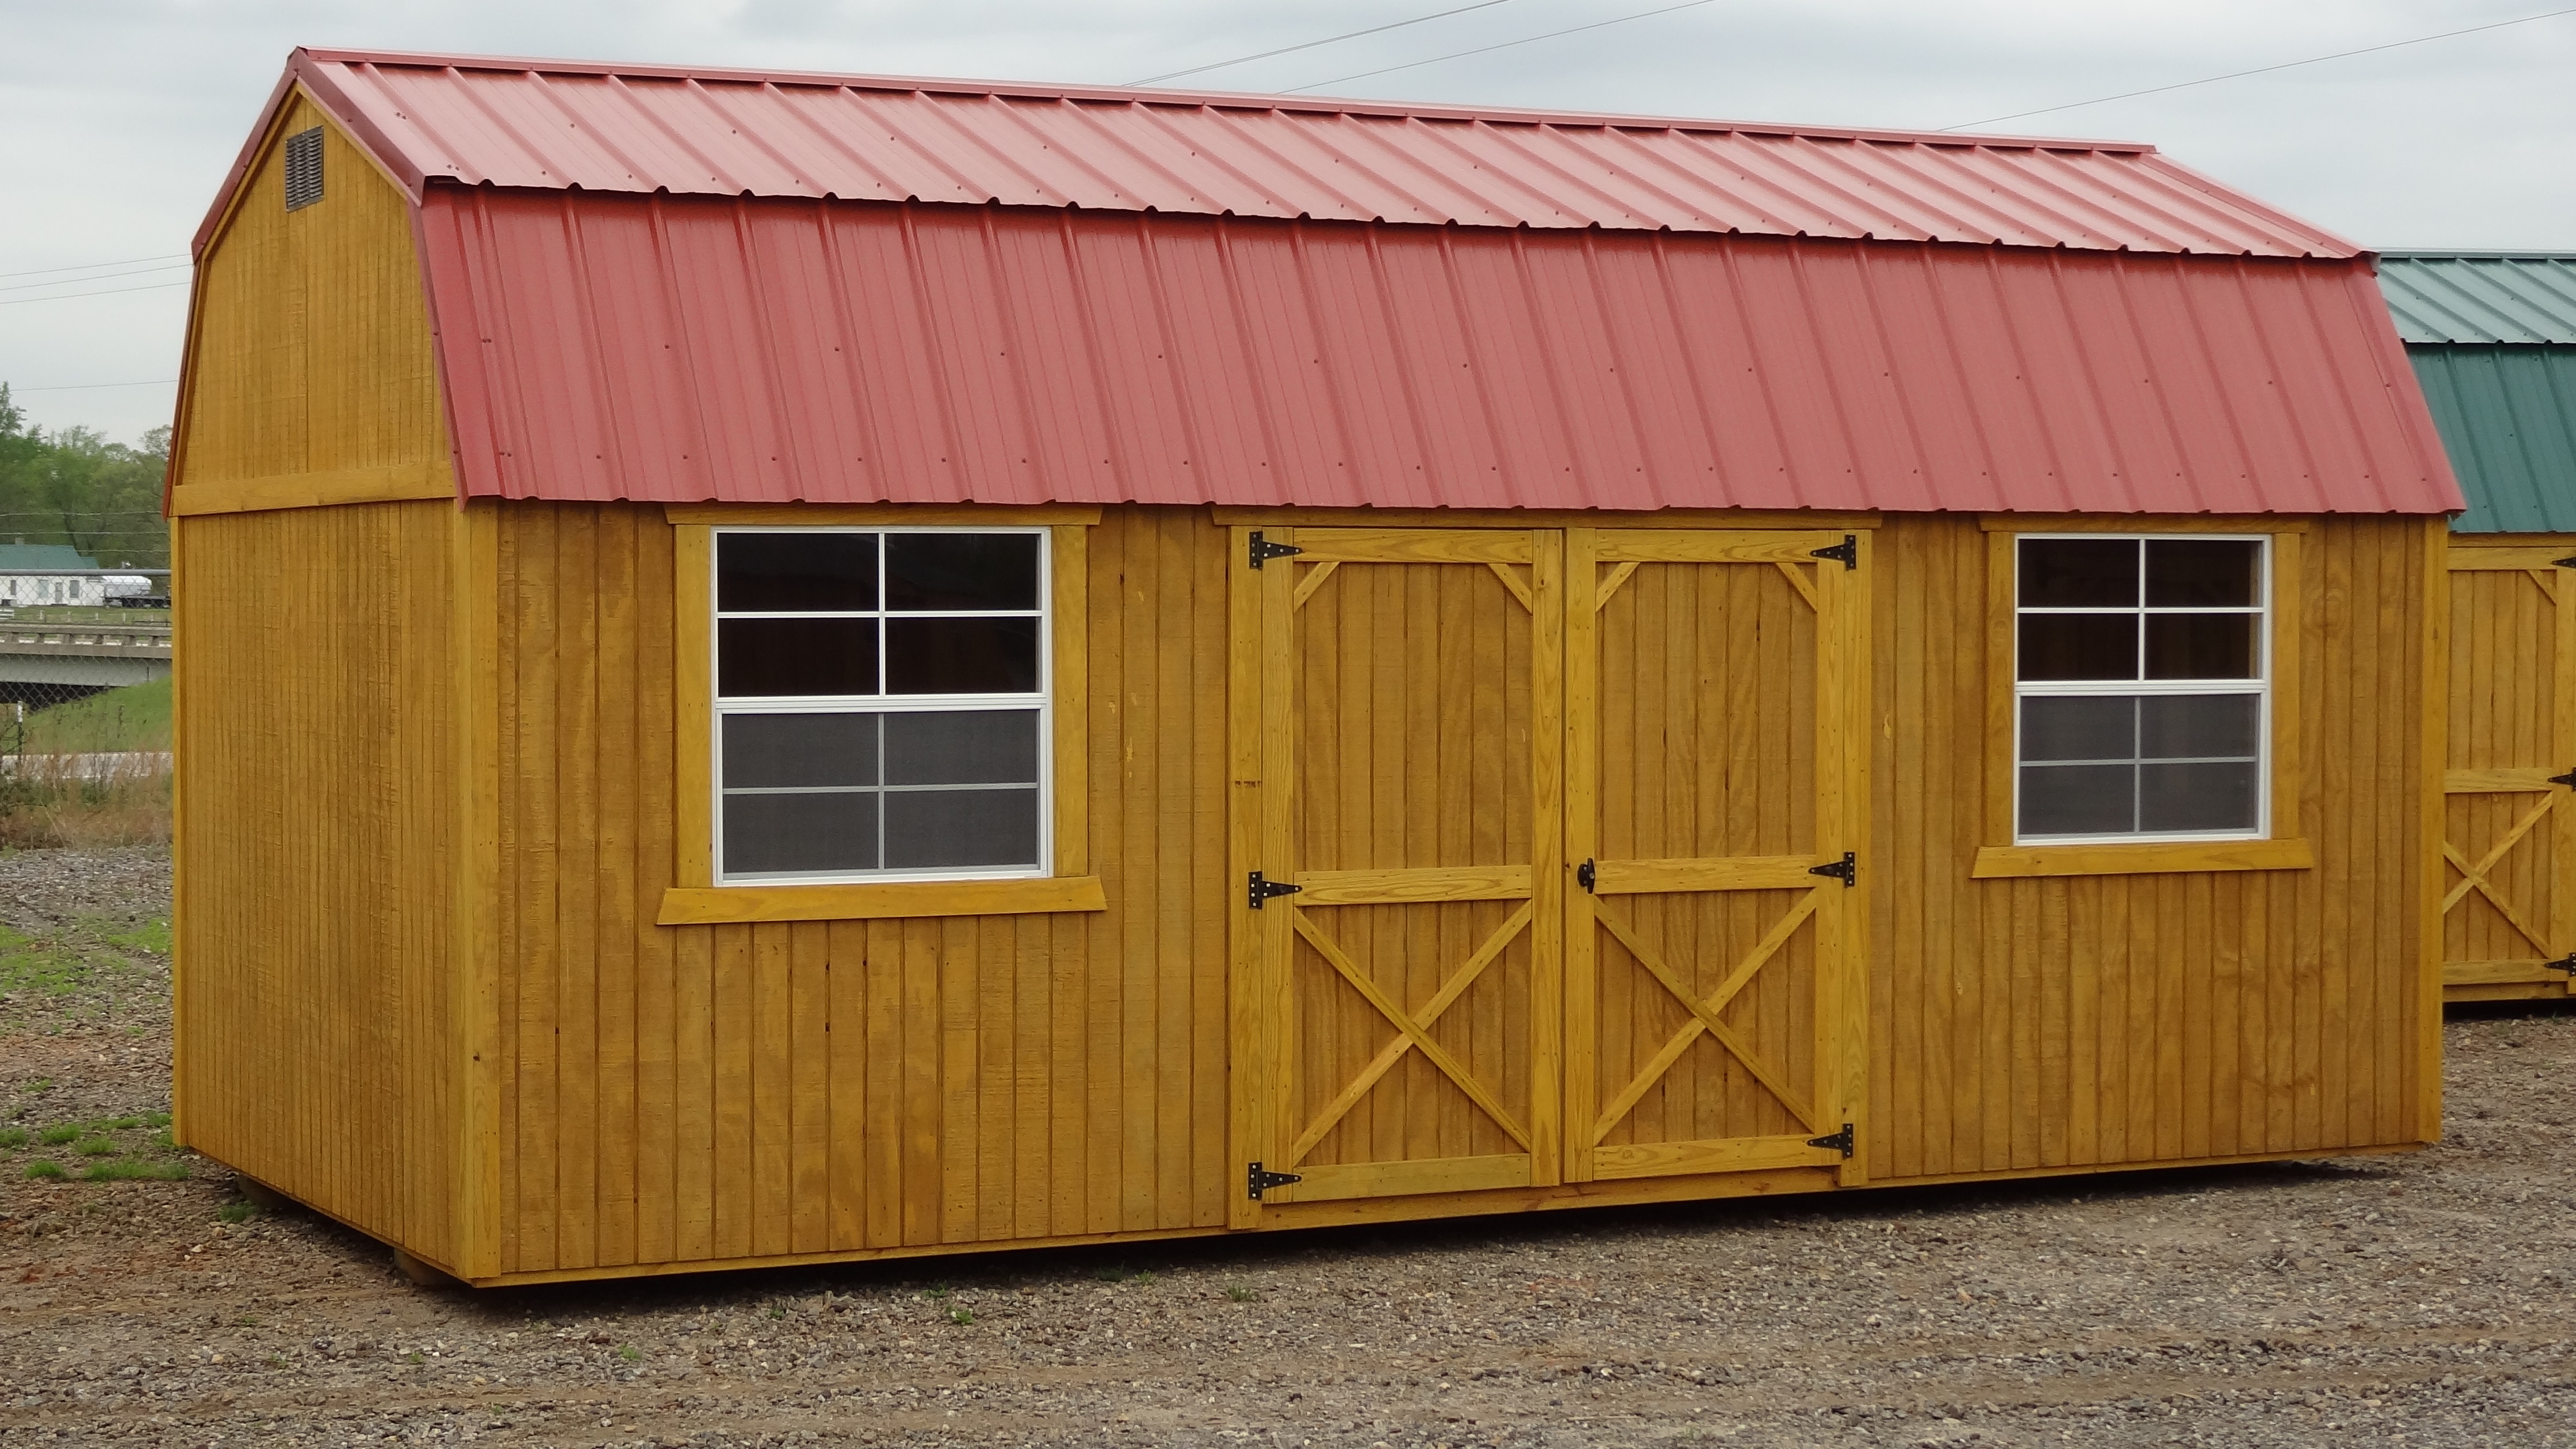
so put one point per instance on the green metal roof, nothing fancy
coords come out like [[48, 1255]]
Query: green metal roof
[[43, 556], [2491, 297], [2507, 416]]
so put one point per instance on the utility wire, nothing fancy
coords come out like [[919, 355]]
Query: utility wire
[[1505, 45], [110, 292], [87, 386], [94, 266], [83, 281], [1310, 45], [2259, 70]]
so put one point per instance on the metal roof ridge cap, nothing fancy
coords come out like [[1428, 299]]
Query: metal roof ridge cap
[[1238, 100]]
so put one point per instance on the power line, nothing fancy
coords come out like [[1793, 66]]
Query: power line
[[87, 386], [1310, 45], [2259, 70], [94, 266], [83, 281], [1505, 45], [110, 292]]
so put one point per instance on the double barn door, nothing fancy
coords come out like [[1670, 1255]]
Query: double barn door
[[1546, 840]]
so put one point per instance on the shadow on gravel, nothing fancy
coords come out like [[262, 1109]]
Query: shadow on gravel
[[1416, 1246]]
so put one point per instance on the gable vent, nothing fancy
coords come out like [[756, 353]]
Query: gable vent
[[303, 169]]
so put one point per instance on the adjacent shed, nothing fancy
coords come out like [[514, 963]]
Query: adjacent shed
[[2493, 337], [785, 668]]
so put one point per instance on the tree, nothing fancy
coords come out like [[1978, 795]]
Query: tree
[[78, 488]]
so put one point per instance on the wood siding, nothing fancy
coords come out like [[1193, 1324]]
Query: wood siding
[[309, 351], [317, 856], [722, 1092], [2079, 1021]]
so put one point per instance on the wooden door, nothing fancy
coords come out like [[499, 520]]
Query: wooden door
[[1397, 1014], [2509, 828], [1715, 767]]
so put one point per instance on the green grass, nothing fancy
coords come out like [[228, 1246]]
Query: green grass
[[94, 1147], [237, 1212], [28, 965], [136, 717], [12, 1138], [151, 937], [126, 1169], [42, 1168], [59, 1133]]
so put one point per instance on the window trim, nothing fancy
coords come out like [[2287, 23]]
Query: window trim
[[1066, 884], [2279, 846]]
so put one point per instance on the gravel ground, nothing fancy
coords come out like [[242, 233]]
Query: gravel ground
[[2417, 1300]]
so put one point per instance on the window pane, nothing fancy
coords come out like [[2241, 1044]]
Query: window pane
[[2078, 799], [774, 751], [2079, 573], [2079, 646], [2196, 797], [2213, 571], [929, 829], [756, 657], [2199, 646], [2199, 726], [801, 570], [2079, 729], [776, 834], [962, 747], [961, 656], [962, 570]]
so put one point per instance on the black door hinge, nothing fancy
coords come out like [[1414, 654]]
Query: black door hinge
[[1848, 551], [2568, 779], [1257, 1181], [1584, 875], [1840, 1141], [1847, 868], [2566, 563], [1263, 550], [1258, 890], [2563, 963]]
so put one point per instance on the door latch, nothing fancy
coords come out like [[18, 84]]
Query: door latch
[[1584, 876]]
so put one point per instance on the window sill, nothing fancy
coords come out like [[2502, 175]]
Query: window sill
[[2165, 857], [716, 905]]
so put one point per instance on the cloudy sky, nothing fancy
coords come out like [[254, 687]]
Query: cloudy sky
[[118, 117]]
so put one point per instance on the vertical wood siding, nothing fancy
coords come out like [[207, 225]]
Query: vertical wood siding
[[311, 341], [2069, 1021], [675, 1094], [317, 795]]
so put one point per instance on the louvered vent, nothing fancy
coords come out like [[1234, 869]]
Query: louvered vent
[[303, 169]]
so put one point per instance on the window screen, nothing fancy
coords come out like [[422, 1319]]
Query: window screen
[[881, 705], [2140, 672]]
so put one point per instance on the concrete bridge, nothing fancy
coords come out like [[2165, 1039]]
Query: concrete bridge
[[82, 656]]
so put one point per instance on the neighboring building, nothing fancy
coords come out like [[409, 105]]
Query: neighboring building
[[69, 587], [789, 668], [2493, 337]]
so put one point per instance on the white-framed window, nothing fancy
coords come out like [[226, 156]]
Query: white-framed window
[[882, 709], [2142, 690]]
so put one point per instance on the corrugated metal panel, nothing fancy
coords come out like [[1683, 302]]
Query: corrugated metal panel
[[2508, 416], [550, 125], [2491, 297], [674, 349]]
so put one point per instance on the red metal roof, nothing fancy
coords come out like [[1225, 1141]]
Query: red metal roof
[[684, 348], [641, 129]]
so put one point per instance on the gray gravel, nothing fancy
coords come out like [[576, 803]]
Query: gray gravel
[[2419, 1299]]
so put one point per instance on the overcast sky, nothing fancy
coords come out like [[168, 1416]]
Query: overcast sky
[[118, 117]]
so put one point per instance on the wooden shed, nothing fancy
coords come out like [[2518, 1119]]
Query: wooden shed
[[792, 668], [2493, 339]]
